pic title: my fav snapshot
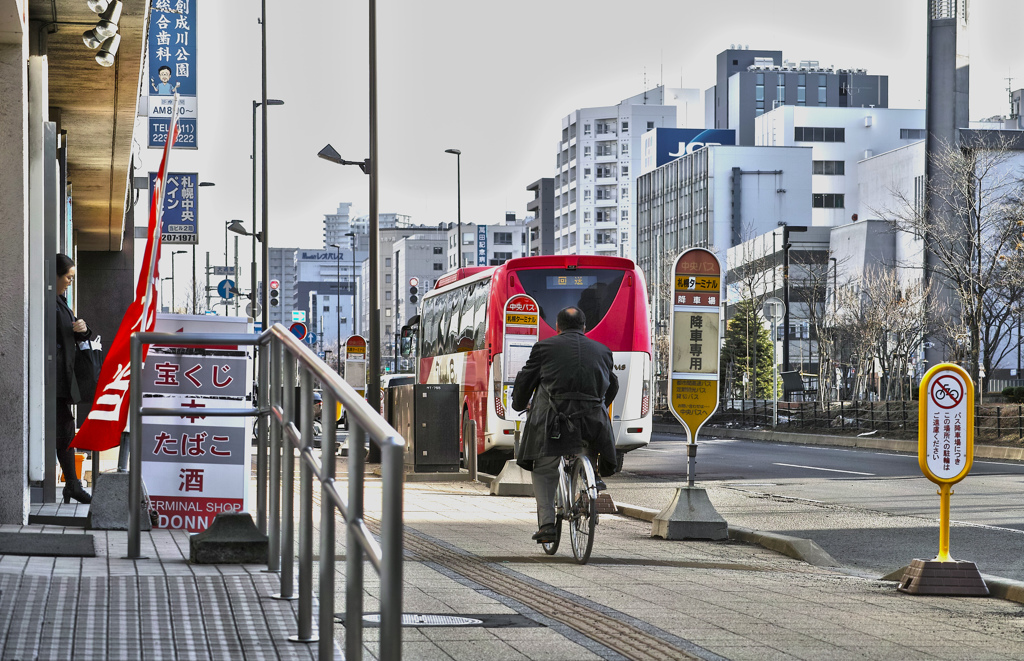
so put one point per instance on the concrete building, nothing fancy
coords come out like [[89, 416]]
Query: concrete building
[[284, 269], [596, 167], [839, 138], [420, 257], [542, 227], [750, 83], [491, 245]]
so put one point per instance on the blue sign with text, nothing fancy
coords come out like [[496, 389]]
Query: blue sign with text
[[181, 207], [481, 245], [172, 69], [659, 146]]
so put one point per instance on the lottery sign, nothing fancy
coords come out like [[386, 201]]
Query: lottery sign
[[695, 321], [945, 448]]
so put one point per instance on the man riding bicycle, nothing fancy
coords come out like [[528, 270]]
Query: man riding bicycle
[[574, 384]]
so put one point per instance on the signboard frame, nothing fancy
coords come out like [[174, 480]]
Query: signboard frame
[[944, 381], [172, 46], [179, 224]]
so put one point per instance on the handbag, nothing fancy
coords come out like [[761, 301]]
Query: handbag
[[88, 361]]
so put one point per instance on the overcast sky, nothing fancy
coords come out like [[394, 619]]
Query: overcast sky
[[494, 80]]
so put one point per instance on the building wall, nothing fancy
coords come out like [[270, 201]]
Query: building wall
[[490, 253], [14, 493], [542, 227], [867, 131]]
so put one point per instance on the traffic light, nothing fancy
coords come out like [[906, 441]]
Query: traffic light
[[275, 292], [413, 290]]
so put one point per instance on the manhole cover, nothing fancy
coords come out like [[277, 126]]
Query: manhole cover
[[424, 620]]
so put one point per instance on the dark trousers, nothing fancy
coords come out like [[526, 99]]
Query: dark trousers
[[65, 434]]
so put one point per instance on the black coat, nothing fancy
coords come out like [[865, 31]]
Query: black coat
[[574, 384], [67, 346]]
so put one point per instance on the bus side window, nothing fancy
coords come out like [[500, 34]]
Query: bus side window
[[467, 327], [427, 332], [455, 300], [443, 319], [480, 301]]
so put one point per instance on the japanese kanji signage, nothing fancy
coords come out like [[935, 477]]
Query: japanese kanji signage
[[945, 449], [481, 245], [172, 68], [522, 330], [696, 315], [180, 222], [195, 466]]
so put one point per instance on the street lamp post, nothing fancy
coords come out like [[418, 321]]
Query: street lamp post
[[355, 324], [228, 227], [173, 255], [255, 106], [458, 189], [236, 226], [337, 305]]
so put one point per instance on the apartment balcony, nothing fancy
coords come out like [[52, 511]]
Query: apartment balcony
[[609, 158], [612, 202], [606, 181], [605, 135]]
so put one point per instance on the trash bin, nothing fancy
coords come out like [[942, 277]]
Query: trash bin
[[427, 416]]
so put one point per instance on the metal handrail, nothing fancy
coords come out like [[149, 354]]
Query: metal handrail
[[282, 359]]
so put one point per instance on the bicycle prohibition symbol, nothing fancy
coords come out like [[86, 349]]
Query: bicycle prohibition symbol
[[947, 391], [575, 502]]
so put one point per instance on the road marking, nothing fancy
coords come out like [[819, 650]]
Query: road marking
[[831, 470]]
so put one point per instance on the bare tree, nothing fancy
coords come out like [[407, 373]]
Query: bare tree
[[972, 233]]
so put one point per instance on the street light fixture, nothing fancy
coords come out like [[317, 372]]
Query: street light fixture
[[458, 184], [173, 255], [233, 289], [237, 227], [337, 306], [355, 324]]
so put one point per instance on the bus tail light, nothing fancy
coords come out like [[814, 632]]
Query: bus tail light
[[645, 400], [498, 407]]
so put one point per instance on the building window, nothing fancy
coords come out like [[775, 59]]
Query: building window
[[327, 308], [586, 194], [818, 134], [624, 214], [438, 250], [586, 129], [387, 262], [503, 238], [625, 149], [760, 78], [625, 170], [438, 266], [801, 95], [387, 278], [387, 312], [502, 257], [650, 126], [586, 238], [912, 134], [387, 296], [822, 96], [828, 167], [625, 125], [759, 93], [828, 201], [586, 172], [586, 151], [586, 216], [387, 329], [624, 192]]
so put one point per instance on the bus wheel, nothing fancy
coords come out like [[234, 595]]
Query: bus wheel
[[619, 458]]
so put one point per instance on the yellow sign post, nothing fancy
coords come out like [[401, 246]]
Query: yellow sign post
[[693, 388], [945, 453]]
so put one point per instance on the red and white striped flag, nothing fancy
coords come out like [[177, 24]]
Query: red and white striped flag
[[109, 415]]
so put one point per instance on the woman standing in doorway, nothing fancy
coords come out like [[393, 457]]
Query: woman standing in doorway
[[70, 331]]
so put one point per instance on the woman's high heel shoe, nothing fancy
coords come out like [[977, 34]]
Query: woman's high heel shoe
[[76, 491]]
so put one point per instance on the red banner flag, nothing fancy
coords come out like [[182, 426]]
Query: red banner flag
[[109, 415]]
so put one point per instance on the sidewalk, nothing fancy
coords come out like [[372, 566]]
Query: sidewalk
[[469, 555]]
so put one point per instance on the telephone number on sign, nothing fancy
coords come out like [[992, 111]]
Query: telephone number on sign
[[178, 238]]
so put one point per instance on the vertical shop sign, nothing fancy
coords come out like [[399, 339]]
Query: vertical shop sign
[[172, 68]]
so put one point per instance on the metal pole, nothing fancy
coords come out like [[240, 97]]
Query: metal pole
[[305, 634], [327, 531], [785, 295], [354, 551], [458, 202], [171, 307], [337, 310], [775, 372], [355, 319], [207, 279], [261, 438], [252, 291], [691, 461], [373, 384], [391, 551], [287, 482], [274, 519], [135, 451], [265, 229], [237, 279]]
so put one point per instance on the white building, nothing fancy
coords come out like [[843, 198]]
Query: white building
[[489, 245], [839, 138], [597, 163]]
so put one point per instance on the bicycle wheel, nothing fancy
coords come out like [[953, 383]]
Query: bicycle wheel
[[583, 509], [551, 547]]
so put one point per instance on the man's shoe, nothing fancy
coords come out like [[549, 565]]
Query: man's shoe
[[601, 486], [545, 535]]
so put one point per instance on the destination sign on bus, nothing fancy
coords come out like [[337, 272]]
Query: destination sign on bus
[[697, 283], [571, 281]]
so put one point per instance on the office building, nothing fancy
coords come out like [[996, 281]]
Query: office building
[[542, 227], [489, 245]]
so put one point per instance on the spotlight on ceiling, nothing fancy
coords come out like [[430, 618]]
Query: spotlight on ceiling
[[91, 39], [108, 50], [107, 26], [98, 6]]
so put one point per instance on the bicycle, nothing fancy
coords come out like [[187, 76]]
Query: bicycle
[[576, 502]]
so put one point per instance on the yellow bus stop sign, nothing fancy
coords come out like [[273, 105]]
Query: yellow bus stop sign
[[694, 334]]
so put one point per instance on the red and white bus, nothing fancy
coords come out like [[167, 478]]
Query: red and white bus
[[461, 327]]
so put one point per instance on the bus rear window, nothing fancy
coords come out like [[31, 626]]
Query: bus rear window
[[590, 290]]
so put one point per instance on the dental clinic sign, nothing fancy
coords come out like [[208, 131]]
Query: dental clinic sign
[[660, 146], [172, 69]]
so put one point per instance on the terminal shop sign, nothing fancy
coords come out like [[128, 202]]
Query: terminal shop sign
[[694, 333]]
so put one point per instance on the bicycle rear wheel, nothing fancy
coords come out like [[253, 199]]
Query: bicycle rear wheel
[[551, 547], [583, 509]]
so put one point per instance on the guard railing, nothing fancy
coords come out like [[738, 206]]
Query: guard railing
[[283, 362]]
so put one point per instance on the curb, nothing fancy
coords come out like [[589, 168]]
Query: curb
[[794, 547], [866, 442]]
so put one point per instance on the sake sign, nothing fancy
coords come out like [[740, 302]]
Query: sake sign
[[694, 332]]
